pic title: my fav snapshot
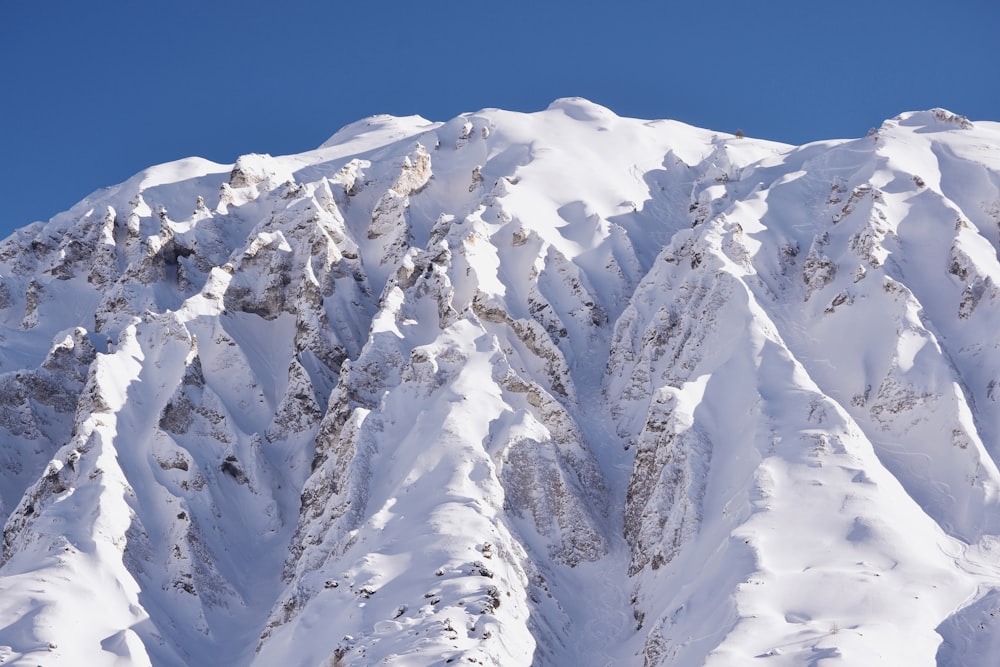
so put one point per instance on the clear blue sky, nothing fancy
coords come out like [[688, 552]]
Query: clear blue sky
[[94, 91]]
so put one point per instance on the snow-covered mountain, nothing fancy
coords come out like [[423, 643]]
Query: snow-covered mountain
[[558, 388]]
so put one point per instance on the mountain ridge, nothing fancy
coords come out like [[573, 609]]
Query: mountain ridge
[[551, 388]]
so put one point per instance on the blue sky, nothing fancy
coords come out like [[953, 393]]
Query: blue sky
[[94, 92]]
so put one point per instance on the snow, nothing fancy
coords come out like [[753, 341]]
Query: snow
[[559, 388]]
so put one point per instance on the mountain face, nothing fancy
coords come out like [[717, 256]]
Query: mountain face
[[558, 388]]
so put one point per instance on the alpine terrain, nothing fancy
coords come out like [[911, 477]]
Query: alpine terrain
[[552, 389]]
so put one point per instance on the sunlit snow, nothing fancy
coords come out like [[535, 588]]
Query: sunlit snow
[[559, 388]]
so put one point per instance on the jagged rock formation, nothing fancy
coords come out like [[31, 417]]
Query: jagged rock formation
[[515, 389]]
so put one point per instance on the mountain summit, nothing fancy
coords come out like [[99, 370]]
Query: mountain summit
[[559, 388]]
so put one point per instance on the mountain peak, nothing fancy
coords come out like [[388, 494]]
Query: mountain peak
[[579, 108], [934, 120], [376, 130]]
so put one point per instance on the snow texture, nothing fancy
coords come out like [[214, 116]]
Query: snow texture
[[553, 389]]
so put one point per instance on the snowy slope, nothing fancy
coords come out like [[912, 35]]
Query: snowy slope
[[559, 388]]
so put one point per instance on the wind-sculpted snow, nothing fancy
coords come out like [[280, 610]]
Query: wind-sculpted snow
[[558, 388]]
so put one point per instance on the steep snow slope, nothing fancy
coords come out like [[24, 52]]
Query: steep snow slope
[[557, 388]]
